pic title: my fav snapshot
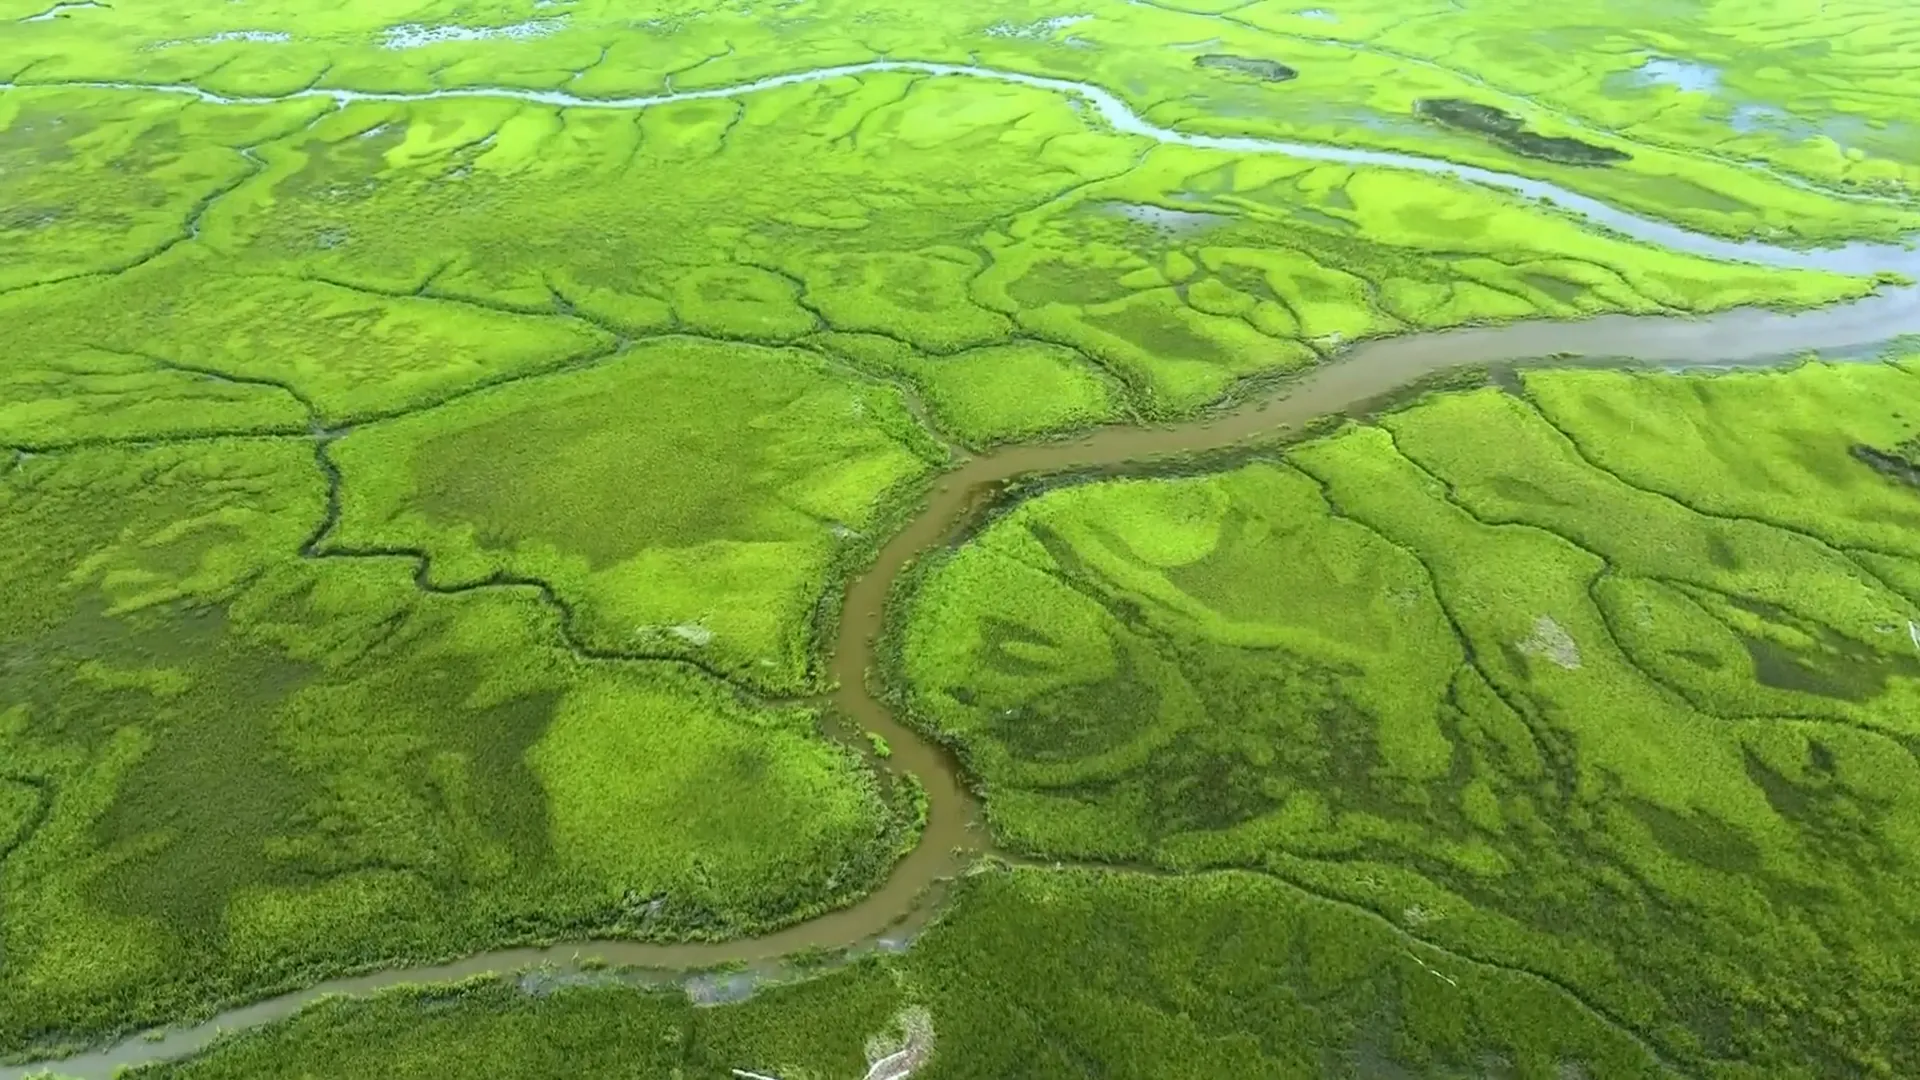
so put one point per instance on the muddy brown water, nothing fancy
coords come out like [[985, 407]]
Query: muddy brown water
[[887, 918]]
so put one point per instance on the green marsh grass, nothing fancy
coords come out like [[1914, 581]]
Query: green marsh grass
[[183, 347], [1728, 83], [1498, 686], [591, 384], [1707, 444], [1002, 254], [683, 498], [230, 769], [93, 185], [1032, 973], [1802, 91]]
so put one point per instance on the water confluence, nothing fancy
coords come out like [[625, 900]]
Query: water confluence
[[1361, 374]]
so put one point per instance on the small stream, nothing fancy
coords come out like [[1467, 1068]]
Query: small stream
[[889, 917]]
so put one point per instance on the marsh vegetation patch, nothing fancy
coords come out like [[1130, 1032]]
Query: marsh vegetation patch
[[271, 764], [1511, 132], [678, 498], [1255, 67], [1298, 664]]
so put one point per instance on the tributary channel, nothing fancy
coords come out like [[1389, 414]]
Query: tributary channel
[[1361, 374]]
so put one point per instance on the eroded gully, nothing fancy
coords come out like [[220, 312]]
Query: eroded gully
[[1362, 373]]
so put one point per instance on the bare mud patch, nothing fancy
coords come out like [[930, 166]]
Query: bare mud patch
[[1037, 30], [894, 1055], [1550, 641], [420, 35]]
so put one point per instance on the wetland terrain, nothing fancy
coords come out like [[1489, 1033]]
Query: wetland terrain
[[823, 539]]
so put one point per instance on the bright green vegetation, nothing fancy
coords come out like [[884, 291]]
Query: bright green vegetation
[[177, 348], [227, 768], [1805, 83], [1299, 258], [676, 421], [107, 187], [1800, 84], [1735, 446], [686, 498], [1022, 272], [414, 509], [1033, 973], [996, 393], [1616, 682]]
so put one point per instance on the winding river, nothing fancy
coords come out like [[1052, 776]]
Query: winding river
[[887, 918]]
